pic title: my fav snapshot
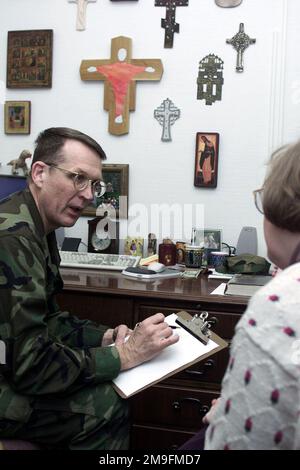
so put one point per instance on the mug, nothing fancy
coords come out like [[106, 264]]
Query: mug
[[193, 256], [217, 258]]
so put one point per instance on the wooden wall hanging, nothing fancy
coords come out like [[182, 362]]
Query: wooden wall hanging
[[120, 74], [166, 114], [240, 42], [210, 79], [169, 23], [81, 13], [228, 3]]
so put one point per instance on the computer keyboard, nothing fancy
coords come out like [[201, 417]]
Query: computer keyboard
[[75, 259]]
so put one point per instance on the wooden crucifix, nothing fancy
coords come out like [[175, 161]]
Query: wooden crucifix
[[169, 23], [120, 74], [166, 114], [240, 42], [81, 13]]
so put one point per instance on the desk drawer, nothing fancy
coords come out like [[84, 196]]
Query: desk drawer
[[152, 438], [224, 327], [211, 369], [178, 407]]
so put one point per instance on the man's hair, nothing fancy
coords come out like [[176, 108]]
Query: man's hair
[[281, 195], [50, 142]]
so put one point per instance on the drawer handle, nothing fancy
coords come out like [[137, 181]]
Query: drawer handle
[[209, 364], [203, 409]]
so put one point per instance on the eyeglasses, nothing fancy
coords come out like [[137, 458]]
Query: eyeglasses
[[81, 181], [258, 199]]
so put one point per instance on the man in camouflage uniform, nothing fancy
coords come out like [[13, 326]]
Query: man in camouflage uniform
[[55, 387]]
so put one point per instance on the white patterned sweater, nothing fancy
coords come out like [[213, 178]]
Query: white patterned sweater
[[259, 406]]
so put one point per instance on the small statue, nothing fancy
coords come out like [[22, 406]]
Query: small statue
[[20, 163]]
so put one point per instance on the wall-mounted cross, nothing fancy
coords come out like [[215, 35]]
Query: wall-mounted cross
[[166, 114], [240, 42], [81, 12], [120, 74], [169, 23]]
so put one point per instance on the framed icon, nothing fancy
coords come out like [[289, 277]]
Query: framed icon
[[17, 117], [115, 199], [29, 59], [206, 160]]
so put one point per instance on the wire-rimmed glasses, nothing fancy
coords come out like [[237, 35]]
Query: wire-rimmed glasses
[[258, 199], [81, 181]]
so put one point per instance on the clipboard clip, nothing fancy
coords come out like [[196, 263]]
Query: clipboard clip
[[198, 325]]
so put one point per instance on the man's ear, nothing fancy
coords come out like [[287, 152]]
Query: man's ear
[[38, 173]]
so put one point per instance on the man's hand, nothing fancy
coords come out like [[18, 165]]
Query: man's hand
[[147, 340], [116, 335]]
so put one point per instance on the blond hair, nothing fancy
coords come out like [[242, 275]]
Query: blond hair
[[281, 195]]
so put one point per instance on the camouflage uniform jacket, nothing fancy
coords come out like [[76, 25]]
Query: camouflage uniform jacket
[[49, 353]]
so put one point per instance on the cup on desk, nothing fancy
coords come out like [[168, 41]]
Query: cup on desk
[[217, 258]]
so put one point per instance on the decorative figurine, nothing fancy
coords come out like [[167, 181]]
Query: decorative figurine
[[210, 79], [228, 3], [240, 42], [152, 244], [120, 74], [166, 114], [20, 163], [169, 23], [81, 12]]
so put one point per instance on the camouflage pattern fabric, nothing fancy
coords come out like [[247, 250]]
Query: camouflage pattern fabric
[[54, 362]]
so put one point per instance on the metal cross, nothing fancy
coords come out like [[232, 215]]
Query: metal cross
[[81, 12], [169, 23], [240, 42], [166, 114], [210, 79]]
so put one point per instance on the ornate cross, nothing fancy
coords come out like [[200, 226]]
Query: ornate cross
[[81, 12], [120, 74], [210, 79], [169, 23], [166, 114], [240, 42]]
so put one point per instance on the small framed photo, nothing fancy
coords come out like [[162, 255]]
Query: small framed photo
[[213, 239], [29, 59], [17, 117], [206, 160], [115, 199]]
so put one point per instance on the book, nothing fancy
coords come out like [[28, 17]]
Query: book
[[171, 360], [246, 285], [166, 273]]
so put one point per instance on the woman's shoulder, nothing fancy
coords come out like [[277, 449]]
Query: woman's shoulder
[[272, 319]]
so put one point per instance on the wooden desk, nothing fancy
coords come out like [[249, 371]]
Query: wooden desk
[[165, 415]]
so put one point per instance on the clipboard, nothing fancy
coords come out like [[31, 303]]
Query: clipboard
[[187, 351]]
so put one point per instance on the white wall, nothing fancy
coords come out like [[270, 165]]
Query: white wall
[[259, 109]]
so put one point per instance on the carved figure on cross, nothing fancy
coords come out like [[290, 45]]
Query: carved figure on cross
[[166, 114], [120, 74], [81, 13], [240, 42], [169, 23]]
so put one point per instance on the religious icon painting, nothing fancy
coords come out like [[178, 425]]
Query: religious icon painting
[[134, 246], [166, 114], [210, 79], [29, 59], [206, 160]]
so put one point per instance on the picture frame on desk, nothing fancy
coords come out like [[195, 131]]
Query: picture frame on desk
[[115, 199], [17, 117], [206, 160], [29, 59], [211, 239]]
